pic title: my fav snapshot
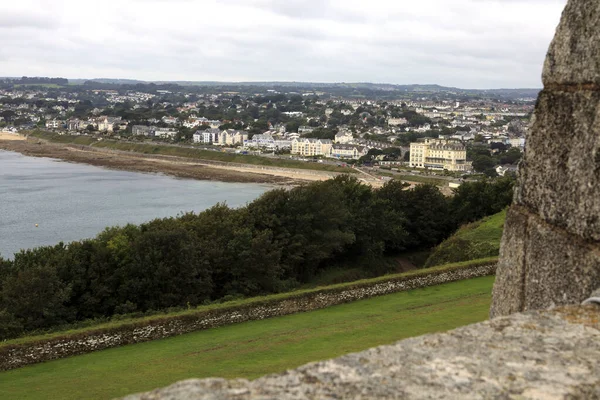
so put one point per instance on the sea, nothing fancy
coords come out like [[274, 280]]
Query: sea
[[45, 201]]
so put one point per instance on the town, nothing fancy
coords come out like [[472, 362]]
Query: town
[[422, 128]]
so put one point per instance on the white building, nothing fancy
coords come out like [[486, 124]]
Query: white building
[[347, 151], [165, 133], [53, 124], [311, 147], [344, 137], [397, 121], [517, 142]]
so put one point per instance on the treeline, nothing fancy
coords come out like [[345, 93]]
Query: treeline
[[25, 80], [275, 243]]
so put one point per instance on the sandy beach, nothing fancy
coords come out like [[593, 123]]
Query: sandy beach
[[11, 136]]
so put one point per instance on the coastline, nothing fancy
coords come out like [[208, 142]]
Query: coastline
[[180, 167]]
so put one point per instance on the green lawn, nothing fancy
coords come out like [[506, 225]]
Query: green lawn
[[254, 348], [472, 241]]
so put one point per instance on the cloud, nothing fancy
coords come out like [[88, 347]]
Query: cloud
[[464, 43]]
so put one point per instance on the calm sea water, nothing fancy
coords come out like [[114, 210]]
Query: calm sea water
[[75, 201]]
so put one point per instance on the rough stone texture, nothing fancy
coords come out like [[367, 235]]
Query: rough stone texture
[[574, 55], [560, 173], [535, 355], [550, 251], [18, 355]]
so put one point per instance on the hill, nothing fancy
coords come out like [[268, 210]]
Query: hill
[[252, 349], [472, 241]]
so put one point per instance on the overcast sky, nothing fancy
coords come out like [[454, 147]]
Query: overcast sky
[[462, 43]]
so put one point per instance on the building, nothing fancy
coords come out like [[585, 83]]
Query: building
[[347, 151], [268, 141], [311, 147], [231, 137], [106, 124], [165, 133], [344, 137], [397, 121], [305, 129], [207, 136], [54, 124], [75, 124], [439, 154], [517, 142], [142, 130]]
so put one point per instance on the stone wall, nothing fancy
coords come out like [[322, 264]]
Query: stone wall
[[18, 355], [550, 251]]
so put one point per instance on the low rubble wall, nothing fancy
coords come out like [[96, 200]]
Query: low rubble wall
[[45, 349]]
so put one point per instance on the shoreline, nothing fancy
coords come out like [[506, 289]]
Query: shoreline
[[179, 167]]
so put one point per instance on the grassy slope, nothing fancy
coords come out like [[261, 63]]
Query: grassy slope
[[476, 240], [164, 149], [254, 348]]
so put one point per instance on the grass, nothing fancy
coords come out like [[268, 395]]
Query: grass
[[422, 179], [472, 241], [198, 154], [255, 348]]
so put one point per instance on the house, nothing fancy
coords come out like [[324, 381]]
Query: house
[[142, 130], [397, 121], [503, 169], [311, 147], [75, 124], [439, 154], [106, 124], [517, 142], [347, 151], [169, 120], [305, 129], [165, 133], [344, 137], [54, 124]]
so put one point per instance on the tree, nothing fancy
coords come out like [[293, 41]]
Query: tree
[[482, 163], [512, 156], [475, 200]]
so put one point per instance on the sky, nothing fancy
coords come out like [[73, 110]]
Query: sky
[[461, 43]]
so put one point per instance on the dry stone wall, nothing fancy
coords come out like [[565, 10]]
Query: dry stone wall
[[18, 355], [550, 251]]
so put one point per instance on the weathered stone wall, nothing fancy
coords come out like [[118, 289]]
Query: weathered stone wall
[[536, 355], [550, 251], [18, 355]]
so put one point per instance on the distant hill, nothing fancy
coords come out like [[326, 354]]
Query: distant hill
[[479, 239]]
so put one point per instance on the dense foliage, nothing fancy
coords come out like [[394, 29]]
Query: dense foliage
[[280, 240]]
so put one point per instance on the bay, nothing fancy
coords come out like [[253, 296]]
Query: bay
[[71, 201]]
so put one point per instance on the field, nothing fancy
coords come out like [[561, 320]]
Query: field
[[252, 349], [479, 239]]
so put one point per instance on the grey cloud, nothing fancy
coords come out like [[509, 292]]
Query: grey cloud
[[22, 20], [432, 41]]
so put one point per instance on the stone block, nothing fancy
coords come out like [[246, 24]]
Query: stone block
[[560, 267], [574, 54], [508, 292], [559, 177]]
